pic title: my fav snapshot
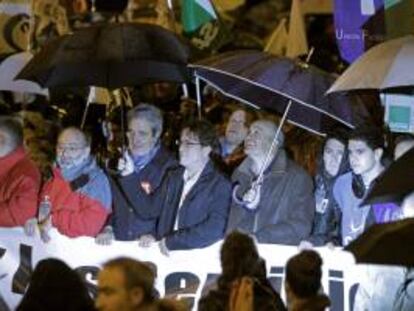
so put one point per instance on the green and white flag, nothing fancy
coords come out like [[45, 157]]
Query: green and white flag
[[202, 25]]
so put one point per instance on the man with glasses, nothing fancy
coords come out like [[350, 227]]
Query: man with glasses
[[78, 191], [193, 206], [143, 165]]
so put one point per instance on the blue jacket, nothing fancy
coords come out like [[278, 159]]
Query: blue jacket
[[203, 214], [131, 217]]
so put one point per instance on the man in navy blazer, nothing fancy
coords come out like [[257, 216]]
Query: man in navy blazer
[[194, 200]]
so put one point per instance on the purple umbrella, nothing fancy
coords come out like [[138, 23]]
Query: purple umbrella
[[268, 82], [282, 85]]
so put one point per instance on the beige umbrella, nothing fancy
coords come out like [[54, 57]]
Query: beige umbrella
[[385, 66]]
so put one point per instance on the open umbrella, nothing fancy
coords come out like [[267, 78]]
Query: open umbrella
[[282, 85], [10, 67], [388, 244], [395, 183], [111, 56], [386, 66], [269, 82]]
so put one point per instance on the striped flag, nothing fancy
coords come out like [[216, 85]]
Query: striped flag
[[202, 25]]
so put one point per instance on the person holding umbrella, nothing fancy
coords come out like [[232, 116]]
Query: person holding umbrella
[[145, 165], [282, 209]]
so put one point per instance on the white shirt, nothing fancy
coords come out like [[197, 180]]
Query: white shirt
[[189, 182]]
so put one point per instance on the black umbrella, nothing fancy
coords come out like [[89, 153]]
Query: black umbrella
[[269, 82], [395, 183], [388, 244], [111, 56]]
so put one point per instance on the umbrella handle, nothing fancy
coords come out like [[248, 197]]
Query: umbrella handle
[[275, 142], [255, 188]]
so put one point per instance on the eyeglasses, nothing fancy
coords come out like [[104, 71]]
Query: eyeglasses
[[186, 143], [61, 148]]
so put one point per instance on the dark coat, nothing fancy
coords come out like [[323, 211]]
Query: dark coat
[[203, 214], [265, 298], [285, 212], [327, 222], [315, 303], [131, 217]]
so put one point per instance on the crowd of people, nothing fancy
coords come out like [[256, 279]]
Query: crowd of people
[[243, 180], [211, 189]]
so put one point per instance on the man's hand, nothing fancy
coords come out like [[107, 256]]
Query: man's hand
[[163, 248], [105, 237], [30, 226], [305, 245], [252, 197], [330, 246], [146, 240], [126, 164]]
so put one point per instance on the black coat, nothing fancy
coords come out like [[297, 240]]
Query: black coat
[[131, 217], [265, 298], [203, 214]]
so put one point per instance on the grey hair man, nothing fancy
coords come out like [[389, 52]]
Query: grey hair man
[[144, 164], [284, 205], [19, 177]]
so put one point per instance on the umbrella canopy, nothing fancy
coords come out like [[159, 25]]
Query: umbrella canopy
[[395, 183], [111, 56], [385, 66], [9, 69], [269, 82], [389, 244]]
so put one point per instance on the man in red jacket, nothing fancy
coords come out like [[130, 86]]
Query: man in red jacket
[[79, 191], [19, 177]]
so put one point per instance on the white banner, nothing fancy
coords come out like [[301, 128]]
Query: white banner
[[184, 273]]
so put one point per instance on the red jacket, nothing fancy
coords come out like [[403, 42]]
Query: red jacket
[[19, 188], [73, 213]]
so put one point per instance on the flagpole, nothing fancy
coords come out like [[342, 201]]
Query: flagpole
[[172, 15], [198, 91]]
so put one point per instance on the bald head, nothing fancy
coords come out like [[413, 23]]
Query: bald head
[[260, 136], [75, 135], [73, 147]]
